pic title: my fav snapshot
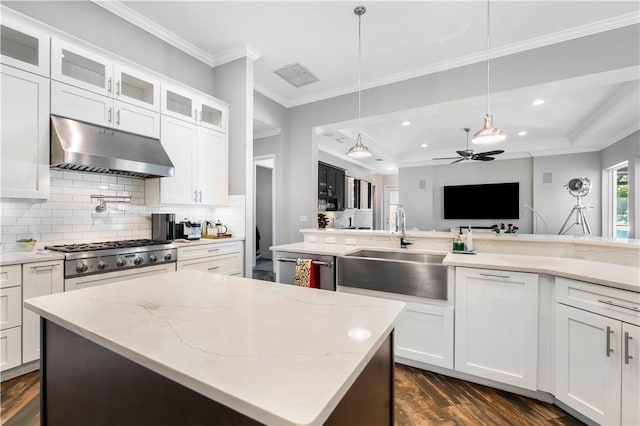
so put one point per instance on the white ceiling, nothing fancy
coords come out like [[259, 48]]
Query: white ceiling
[[403, 40]]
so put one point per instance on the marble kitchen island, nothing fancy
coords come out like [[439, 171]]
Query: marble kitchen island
[[196, 348]]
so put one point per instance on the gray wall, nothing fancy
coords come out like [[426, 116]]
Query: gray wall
[[628, 149], [553, 201], [277, 116], [582, 56], [93, 24], [234, 84], [424, 206], [264, 215]]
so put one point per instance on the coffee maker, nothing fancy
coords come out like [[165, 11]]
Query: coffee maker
[[163, 226]]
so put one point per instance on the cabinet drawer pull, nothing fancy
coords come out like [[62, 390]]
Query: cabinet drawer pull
[[212, 250], [109, 85], [627, 338], [608, 343], [214, 268], [118, 87], [195, 195], [43, 268], [118, 117], [109, 119], [609, 302], [495, 275]]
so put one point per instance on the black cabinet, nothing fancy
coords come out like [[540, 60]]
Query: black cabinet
[[331, 181]]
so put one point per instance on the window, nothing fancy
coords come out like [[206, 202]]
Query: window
[[618, 188]]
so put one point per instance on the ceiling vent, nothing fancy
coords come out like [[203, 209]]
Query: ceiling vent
[[297, 75]]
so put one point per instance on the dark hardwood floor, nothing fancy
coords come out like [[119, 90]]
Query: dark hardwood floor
[[422, 398]]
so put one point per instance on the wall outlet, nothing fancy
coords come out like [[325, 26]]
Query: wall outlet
[[311, 239], [303, 218], [351, 241], [330, 240]]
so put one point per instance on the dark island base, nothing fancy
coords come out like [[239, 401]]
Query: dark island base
[[85, 384]]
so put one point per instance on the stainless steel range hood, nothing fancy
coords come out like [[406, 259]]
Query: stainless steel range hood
[[84, 147]]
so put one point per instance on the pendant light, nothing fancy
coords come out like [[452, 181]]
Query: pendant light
[[359, 150], [488, 133]]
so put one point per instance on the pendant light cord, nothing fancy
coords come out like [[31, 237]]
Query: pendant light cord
[[488, 50], [359, 67]]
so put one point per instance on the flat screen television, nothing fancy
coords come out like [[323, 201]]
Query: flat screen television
[[487, 201]]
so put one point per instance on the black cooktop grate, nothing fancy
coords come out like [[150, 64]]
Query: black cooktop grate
[[75, 248]]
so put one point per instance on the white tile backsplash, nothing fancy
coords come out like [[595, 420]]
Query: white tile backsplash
[[69, 215]]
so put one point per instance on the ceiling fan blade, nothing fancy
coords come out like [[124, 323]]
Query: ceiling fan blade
[[445, 158], [458, 160], [496, 152], [463, 153], [482, 158]]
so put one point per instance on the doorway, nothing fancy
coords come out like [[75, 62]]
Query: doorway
[[390, 204], [264, 216]]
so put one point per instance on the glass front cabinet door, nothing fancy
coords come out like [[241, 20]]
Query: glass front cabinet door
[[80, 68], [23, 47], [136, 88]]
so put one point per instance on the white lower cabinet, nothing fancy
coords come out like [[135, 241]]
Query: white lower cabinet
[[597, 366], [20, 328], [423, 331], [496, 325], [220, 258], [38, 279], [10, 348]]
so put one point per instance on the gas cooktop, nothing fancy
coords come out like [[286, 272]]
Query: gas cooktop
[[111, 256], [76, 248]]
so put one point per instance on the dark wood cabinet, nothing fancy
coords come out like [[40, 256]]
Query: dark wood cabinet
[[331, 183]]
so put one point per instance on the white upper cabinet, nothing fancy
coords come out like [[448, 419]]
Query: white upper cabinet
[[137, 88], [85, 70], [24, 134], [211, 114], [24, 47], [70, 101], [188, 105], [81, 68], [178, 102], [210, 167]]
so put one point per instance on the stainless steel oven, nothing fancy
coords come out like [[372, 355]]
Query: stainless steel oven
[[286, 268]]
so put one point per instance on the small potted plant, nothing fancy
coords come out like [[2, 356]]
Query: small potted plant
[[25, 244], [511, 229], [497, 228]]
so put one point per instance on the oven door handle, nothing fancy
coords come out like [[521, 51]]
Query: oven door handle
[[317, 262]]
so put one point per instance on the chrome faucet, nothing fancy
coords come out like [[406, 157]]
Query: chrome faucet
[[401, 225]]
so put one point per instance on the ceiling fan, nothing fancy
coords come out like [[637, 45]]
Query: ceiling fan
[[468, 154]]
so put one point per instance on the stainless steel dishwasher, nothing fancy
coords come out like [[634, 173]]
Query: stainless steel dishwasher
[[286, 268]]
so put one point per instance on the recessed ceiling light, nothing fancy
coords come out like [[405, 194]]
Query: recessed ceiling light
[[424, 145], [406, 123], [522, 133], [537, 102]]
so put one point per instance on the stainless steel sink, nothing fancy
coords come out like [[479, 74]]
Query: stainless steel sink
[[413, 274]]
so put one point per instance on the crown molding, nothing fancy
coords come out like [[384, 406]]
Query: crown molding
[[141, 21], [271, 94], [510, 49], [266, 133], [237, 53]]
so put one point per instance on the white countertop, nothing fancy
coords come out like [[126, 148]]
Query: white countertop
[[317, 248], [608, 274], [279, 354], [201, 241], [19, 257]]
